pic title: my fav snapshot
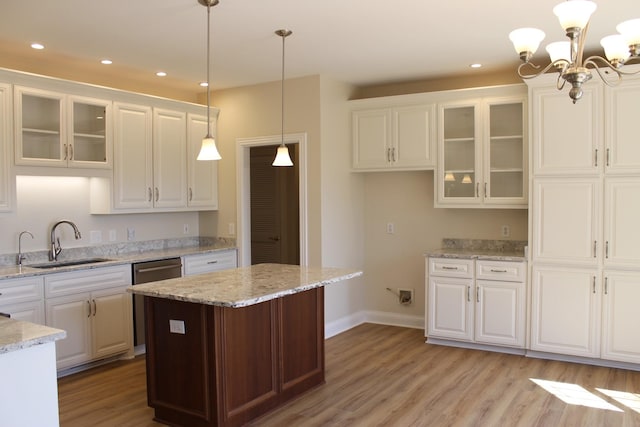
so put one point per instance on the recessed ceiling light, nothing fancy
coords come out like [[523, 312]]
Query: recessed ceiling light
[[475, 65], [161, 74], [204, 84], [106, 61], [38, 46]]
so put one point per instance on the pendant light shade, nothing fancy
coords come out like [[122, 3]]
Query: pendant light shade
[[282, 155], [208, 149]]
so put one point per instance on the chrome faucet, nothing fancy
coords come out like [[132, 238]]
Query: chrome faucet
[[20, 255], [55, 242]]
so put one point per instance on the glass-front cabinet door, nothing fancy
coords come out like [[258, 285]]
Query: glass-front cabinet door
[[504, 152], [90, 140], [53, 129], [482, 153], [460, 175], [39, 130]]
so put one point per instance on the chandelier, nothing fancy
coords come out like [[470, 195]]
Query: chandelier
[[568, 56]]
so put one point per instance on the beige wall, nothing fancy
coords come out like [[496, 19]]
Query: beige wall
[[396, 260], [254, 111]]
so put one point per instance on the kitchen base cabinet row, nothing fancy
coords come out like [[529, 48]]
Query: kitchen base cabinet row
[[578, 314], [476, 301]]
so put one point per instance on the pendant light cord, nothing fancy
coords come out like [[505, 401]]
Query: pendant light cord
[[208, 71], [284, 36]]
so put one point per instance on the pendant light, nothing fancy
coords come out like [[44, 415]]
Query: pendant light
[[282, 155], [208, 149]]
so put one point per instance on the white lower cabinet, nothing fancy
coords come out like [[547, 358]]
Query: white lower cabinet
[[93, 306], [621, 317], [565, 311], [578, 312], [23, 299], [209, 262], [486, 306]]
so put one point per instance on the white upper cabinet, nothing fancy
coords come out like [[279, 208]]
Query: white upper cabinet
[[133, 168], [55, 129], [399, 138], [202, 175], [482, 153], [169, 158], [6, 193], [566, 138], [622, 152]]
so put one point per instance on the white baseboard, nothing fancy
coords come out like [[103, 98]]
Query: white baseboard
[[381, 317]]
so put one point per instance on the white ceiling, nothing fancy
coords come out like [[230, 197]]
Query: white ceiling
[[363, 42]]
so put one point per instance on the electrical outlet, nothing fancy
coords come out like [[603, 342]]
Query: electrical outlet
[[232, 229], [177, 327], [391, 228], [112, 235], [506, 231], [405, 296], [131, 234], [185, 228]]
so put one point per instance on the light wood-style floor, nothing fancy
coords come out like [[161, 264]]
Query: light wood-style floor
[[387, 376]]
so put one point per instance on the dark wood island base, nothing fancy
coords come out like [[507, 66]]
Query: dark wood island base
[[231, 365]]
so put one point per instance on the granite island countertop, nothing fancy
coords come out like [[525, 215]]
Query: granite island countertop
[[241, 287], [17, 334]]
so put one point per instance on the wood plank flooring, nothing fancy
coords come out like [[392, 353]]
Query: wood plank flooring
[[387, 376]]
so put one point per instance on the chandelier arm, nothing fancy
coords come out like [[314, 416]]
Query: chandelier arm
[[560, 82], [537, 67], [581, 36], [593, 61]]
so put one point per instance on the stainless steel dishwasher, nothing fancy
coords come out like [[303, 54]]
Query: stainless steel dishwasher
[[145, 272]]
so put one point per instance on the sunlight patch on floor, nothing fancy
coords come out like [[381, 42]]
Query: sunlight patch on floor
[[630, 400], [573, 394]]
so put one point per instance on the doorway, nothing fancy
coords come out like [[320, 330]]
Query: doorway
[[244, 167], [275, 236]]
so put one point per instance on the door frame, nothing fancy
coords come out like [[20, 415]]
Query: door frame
[[243, 179]]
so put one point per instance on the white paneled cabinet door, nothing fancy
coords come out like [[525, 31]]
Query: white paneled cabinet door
[[202, 175], [6, 135], [622, 148], [32, 311], [169, 158], [621, 230], [566, 222], [565, 311], [450, 308], [371, 138], [132, 169], [90, 132], [499, 313], [111, 321], [414, 131], [621, 317], [566, 137], [71, 313]]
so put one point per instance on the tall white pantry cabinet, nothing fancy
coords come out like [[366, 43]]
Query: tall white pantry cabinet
[[584, 211]]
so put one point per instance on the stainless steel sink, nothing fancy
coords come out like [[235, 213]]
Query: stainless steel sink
[[69, 263]]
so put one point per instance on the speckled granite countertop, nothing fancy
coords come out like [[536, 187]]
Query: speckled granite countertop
[[497, 250], [114, 258], [16, 334], [244, 286]]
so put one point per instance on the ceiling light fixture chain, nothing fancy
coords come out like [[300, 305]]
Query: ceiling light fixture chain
[[568, 56], [282, 155], [208, 149]]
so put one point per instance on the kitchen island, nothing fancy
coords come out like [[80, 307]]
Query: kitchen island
[[224, 348]]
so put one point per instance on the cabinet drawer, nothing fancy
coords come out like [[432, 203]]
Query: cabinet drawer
[[451, 267], [208, 262], [86, 280], [25, 289], [506, 271]]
